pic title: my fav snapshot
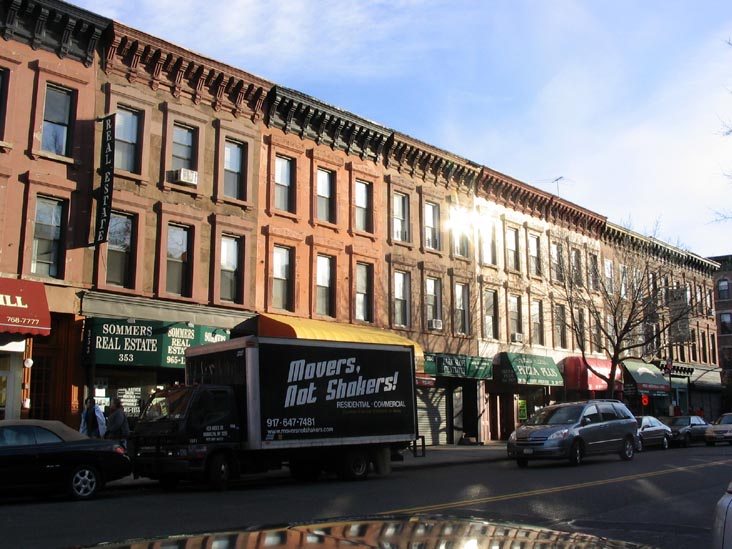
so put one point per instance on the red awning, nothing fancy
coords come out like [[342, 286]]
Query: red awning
[[23, 307], [577, 376]]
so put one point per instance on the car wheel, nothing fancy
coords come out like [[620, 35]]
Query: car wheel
[[687, 440], [665, 443], [219, 472], [85, 482], [628, 450], [576, 453], [639, 446], [522, 462], [354, 465]]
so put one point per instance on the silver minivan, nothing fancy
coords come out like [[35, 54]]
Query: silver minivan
[[574, 430]]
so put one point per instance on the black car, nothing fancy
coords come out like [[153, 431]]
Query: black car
[[651, 432], [48, 456], [686, 429]]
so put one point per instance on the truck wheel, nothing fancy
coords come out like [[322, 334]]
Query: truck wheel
[[354, 465], [219, 472], [304, 470], [382, 461]]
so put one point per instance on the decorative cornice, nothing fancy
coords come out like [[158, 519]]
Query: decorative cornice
[[53, 26], [412, 157], [519, 196], [143, 58], [296, 113]]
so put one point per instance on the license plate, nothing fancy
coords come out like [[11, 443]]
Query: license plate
[[527, 450]]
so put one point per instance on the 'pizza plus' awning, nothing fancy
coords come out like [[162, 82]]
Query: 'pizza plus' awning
[[526, 369], [23, 307]]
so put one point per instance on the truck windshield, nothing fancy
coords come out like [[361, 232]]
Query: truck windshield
[[167, 405], [556, 416]]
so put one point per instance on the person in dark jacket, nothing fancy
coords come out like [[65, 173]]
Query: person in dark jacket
[[93, 423], [117, 426]]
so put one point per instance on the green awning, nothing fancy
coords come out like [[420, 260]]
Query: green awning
[[523, 369], [465, 366], [647, 377]]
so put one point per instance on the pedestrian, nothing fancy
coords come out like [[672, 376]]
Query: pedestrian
[[93, 423], [118, 427]]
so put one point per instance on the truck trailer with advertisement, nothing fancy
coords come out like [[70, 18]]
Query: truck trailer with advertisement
[[254, 404]]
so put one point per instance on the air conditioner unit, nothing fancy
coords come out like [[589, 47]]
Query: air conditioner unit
[[185, 176], [517, 338], [434, 324]]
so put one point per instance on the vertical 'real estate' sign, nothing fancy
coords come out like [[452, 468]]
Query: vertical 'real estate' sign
[[106, 169]]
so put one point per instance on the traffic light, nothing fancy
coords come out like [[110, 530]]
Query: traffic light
[[645, 401]]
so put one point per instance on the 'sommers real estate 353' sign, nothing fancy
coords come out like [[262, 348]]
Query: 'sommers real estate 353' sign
[[144, 342]]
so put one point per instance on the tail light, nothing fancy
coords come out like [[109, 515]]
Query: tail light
[[119, 450]]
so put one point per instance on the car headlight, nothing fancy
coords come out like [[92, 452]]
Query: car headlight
[[512, 436], [558, 434]]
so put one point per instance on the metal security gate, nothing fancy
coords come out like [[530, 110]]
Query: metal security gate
[[432, 414]]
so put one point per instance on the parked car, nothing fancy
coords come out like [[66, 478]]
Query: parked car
[[48, 456], [575, 430], [686, 429], [722, 526], [651, 432], [719, 431]]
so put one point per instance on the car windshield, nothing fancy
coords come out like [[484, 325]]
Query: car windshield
[[677, 421], [559, 415], [724, 420], [167, 405]]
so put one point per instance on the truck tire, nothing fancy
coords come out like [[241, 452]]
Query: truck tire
[[354, 465], [219, 472], [382, 461], [305, 470]]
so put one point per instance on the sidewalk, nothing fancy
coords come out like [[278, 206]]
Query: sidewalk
[[434, 456]]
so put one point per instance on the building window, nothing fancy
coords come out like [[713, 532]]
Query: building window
[[488, 245], [230, 289], [557, 253], [490, 314], [594, 273], [462, 309], [431, 226], [126, 140], [609, 277], [692, 339], [326, 196], [177, 280], [282, 295], [324, 278], [514, 318], [580, 328], [120, 263], [560, 326], [235, 162], [401, 299], [534, 256], [184, 142], [462, 244], [577, 273], [713, 348], [3, 100], [432, 301], [364, 292], [704, 356], [512, 254], [364, 207], [284, 187], [400, 217], [725, 321], [596, 337], [623, 272], [723, 289], [537, 322], [46, 260], [57, 121]]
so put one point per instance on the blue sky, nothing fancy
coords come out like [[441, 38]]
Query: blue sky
[[625, 101]]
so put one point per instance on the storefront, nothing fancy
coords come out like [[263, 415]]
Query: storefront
[[460, 379], [24, 315], [129, 359], [521, 384], [647, 391], [583, 382], [705, 391]]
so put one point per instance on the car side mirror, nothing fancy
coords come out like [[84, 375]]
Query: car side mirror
[[586, 420]]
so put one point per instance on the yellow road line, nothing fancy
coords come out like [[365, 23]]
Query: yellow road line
[[543, 491]]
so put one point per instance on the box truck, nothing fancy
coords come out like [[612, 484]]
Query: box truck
[[254, 404]]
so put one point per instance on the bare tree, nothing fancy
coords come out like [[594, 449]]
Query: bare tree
[[628, 308]]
